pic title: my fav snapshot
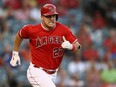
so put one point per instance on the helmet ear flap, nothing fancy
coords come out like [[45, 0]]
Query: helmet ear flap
[[56, 17]]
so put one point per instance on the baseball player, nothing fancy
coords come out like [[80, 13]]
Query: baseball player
[[47, 43]]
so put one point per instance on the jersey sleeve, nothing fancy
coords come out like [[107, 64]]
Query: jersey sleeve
[[24, 32], [70, 36]]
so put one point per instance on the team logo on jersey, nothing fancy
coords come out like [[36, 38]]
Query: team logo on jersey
[[40, 41]]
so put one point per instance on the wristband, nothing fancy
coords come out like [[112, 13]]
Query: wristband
[[15, 53]]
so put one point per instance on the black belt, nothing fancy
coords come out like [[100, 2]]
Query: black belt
[[46, 70]]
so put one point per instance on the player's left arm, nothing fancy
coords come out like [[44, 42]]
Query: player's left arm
[[75, 46]]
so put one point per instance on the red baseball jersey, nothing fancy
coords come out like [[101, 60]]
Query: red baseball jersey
[[45, 46]]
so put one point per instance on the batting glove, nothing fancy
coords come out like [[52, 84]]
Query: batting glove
[[15, 60], [66, 44]]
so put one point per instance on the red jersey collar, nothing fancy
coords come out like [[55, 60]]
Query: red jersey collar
[[45, 28]]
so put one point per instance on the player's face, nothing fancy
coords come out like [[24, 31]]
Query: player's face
[[49, 22]]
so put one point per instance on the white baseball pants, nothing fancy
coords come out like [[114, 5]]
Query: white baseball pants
[[39, 78]]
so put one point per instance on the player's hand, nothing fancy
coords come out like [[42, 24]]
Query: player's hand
[[15, 60], [66, 44]]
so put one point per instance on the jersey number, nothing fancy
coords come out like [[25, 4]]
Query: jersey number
[[58, 52]]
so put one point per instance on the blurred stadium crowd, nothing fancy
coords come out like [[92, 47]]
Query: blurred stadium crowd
[[92, 21]]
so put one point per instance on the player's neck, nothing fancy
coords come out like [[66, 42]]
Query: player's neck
[[46, 27]]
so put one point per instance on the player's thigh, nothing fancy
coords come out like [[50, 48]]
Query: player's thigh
[[38, 78]]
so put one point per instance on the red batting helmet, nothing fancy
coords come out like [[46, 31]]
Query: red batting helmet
[[49, 9]]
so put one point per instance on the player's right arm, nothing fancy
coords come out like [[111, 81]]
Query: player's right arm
[[23, 33], [15, 60], [17, 43]]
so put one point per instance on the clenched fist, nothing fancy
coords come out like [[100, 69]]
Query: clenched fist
[[15, 60]]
